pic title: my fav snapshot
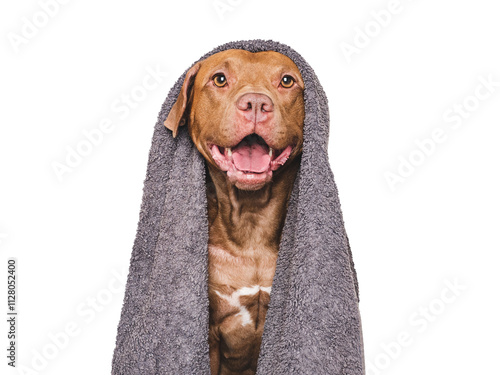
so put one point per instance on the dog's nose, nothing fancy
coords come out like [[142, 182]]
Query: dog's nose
[[254, 107]]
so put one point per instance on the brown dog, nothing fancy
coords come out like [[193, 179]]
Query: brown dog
[[245, 114]]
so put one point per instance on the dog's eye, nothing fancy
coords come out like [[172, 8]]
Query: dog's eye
[[219, 80], [287, 81]]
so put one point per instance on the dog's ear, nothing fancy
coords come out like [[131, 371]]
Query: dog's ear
[[177, 115]]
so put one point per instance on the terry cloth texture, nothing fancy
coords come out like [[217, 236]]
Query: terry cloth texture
[[312, 325]]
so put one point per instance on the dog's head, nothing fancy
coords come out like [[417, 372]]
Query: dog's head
[[245, 113]]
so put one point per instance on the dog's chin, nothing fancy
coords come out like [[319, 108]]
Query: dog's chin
[[249, 165], [250, 181]]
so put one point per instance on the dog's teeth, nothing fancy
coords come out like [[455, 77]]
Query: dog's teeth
[[229, 152], [270, 152]]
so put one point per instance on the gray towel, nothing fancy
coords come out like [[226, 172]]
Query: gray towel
[[313, 324]]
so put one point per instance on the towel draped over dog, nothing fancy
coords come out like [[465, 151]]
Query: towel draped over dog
[[313, 323]]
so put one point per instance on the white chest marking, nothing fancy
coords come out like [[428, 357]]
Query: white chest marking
[[234, 300]]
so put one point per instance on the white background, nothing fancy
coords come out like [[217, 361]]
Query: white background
[[438, 226]]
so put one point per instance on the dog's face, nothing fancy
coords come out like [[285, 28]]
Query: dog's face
[[245, 114]]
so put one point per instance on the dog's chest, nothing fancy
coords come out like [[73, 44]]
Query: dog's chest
[[239, 291]]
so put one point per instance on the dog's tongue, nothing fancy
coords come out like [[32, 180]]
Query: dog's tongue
[[251, 156]]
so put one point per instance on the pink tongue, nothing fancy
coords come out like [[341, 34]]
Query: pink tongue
[[251, 158]]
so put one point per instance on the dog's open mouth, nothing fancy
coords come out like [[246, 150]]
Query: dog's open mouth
[[251, 161]]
